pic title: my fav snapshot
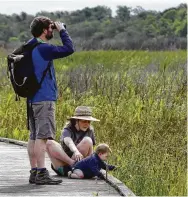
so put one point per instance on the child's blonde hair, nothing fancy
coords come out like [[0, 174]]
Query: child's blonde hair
[[102, 148]]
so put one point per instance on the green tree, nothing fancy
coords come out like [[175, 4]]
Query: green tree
[[123, 13]]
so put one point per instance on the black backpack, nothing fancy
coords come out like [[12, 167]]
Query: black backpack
[[21, 71]]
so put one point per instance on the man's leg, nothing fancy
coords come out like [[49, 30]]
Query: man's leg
[[31, 154], [33, 161], [39, 150], [85, 146], [30, 147], [44, 113]]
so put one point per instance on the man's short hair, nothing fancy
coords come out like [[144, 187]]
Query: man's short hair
[[102, 148], [39, 24]]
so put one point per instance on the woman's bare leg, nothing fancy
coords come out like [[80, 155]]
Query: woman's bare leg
[[85, 146], [57, 154]]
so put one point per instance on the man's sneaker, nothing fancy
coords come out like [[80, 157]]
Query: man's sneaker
[[43, 178], [32, 177]]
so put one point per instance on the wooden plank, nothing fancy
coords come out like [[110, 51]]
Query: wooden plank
[[14, 174], [19, 169]]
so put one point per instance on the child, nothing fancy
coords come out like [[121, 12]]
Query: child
[[90, 166]]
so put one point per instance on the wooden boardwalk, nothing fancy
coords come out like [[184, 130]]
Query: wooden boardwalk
[[14, 175]]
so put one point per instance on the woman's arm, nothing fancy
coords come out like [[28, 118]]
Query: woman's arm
[[69, 142]]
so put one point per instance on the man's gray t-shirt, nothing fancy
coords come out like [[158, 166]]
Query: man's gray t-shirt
[[76, 136]]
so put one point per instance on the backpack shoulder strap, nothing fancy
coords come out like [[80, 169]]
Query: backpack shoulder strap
[[30, 47], [45, 71]]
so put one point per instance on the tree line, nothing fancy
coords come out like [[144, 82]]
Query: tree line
[[96, 28]]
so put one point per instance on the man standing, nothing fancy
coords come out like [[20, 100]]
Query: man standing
[[42, 104]]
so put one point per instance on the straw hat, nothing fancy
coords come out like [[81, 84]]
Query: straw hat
[[83, 113]]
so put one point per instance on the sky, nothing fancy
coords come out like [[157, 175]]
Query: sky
[[34, 6]]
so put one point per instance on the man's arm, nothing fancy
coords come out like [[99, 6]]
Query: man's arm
[[50, 52], [65, 50]]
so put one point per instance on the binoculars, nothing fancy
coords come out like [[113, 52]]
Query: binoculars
[[54, 26]]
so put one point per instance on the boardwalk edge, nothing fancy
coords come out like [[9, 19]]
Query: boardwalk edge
[[114, 182]]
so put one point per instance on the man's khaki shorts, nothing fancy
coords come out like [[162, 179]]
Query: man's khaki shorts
[[42, 120]]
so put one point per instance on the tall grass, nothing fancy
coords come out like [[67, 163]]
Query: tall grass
[[140, 99]]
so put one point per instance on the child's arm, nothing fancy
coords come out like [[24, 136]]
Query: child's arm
[[111, 167], [96, 172], [107, 166]]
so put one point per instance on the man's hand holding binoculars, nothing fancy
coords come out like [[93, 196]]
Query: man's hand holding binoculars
[[59, 26]]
